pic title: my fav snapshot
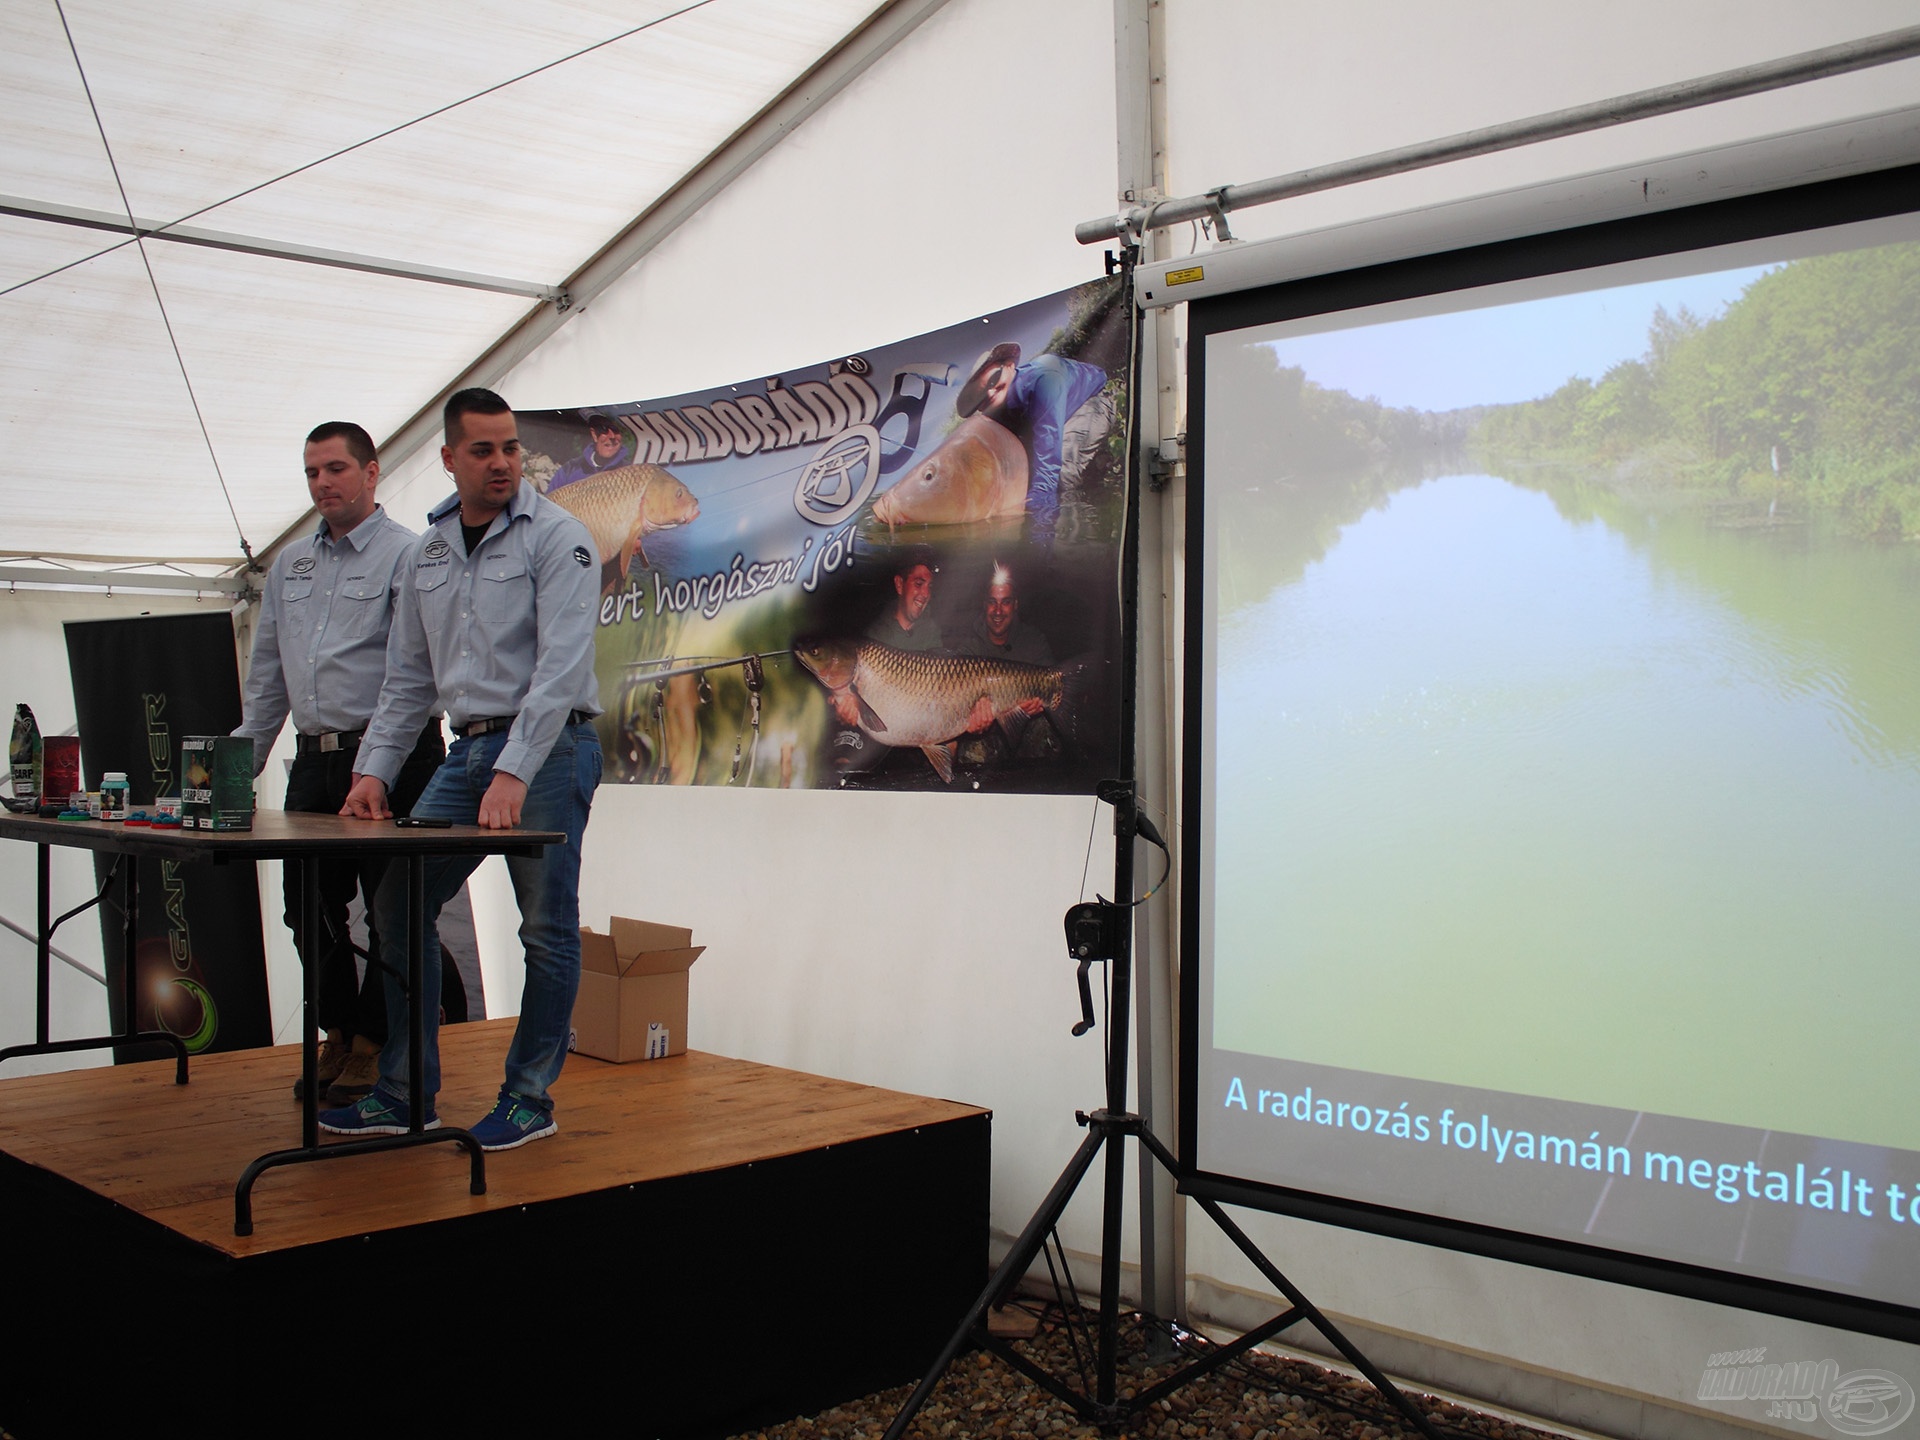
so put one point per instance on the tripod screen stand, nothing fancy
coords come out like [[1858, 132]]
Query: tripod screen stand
[[1107, 1130], [1103, 932]]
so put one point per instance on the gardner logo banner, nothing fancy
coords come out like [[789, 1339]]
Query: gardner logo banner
[[140, 686], [891, 570]]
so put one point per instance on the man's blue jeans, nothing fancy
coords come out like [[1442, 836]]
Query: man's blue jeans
[[547, 888]]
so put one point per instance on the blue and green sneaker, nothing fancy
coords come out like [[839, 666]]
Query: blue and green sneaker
[[378, 1112], [514, 1120]]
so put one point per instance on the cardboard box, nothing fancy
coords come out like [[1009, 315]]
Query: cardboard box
[[633, 991]]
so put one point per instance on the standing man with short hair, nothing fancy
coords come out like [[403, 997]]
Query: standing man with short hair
[[320, 654], [498, 601]]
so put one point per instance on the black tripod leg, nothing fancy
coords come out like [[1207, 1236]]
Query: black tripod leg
[[1325, 1326], [1007, 1276]]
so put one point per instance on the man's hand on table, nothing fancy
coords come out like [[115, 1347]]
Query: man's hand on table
[[500, 806], [367, 800]]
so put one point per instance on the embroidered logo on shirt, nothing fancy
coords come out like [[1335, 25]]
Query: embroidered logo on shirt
[[580, 554], [436, 549], [302, 566]]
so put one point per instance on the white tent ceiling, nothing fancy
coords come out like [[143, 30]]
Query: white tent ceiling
[[507, 140]]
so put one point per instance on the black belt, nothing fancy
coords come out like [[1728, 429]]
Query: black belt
[[474, 728], [328, 741]]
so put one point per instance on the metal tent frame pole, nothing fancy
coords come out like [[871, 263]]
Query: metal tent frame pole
[[1883, 49]]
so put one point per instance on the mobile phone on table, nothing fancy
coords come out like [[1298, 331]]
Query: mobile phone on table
[[422, 822]]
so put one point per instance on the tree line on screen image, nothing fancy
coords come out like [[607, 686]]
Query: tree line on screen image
[[1795, 405]]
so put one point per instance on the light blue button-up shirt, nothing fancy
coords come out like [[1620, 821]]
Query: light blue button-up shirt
[[320, 645], [507, 630]]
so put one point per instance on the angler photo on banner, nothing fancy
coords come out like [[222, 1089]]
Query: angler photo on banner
[[893, 570]]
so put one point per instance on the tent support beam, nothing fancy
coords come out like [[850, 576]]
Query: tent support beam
[[44, 577], [1882, 49], [1139, 40], [835, 71], [276, 249]]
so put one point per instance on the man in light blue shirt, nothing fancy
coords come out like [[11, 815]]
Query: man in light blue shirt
[[495, 623], [320, 655]]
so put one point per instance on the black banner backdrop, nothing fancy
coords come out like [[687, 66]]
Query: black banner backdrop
[[139, 687]]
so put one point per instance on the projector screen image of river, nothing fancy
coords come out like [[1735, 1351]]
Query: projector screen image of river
[[1556, 670]]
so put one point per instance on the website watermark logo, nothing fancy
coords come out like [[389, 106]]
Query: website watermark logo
[[1869, 1402], [1860, 1402]]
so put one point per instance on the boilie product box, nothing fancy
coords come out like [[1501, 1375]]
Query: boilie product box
[[216, 783]]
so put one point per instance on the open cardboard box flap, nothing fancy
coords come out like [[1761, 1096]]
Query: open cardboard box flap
[[638, 947]]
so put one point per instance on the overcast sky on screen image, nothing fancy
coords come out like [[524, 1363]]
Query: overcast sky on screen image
[[1503, 354]]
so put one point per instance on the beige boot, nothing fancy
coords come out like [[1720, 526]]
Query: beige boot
[[356, 1077], [334, 1053]]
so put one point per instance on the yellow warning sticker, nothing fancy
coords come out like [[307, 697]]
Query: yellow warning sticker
[[1186, 276]]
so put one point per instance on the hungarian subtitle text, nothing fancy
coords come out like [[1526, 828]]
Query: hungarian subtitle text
[[1481, 1136]]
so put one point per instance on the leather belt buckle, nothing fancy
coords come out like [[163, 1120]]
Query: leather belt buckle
[[327, 742]]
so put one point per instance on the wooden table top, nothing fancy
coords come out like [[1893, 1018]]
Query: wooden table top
[[276, 835]]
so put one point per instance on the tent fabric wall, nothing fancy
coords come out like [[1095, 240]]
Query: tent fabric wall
[[914, 941]]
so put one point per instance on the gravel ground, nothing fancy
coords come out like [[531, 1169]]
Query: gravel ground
[[1257, 1397]]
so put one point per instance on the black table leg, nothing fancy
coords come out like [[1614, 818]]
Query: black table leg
[[43, 952], [310, 1001], [417, 999], [43, 1042], [417, 1133]]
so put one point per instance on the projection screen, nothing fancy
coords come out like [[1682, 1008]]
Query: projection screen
[[1552, 794]]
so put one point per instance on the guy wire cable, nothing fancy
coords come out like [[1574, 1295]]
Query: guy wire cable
[[159, 302], [345, 149]]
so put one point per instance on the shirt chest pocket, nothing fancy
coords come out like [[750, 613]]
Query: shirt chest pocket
[[503, 591], [432, 596], [361, 608]]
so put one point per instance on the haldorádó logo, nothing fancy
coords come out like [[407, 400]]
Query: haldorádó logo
[[1863, 1402], [436, 548], [1868, 1402], [840, 477], [580, 554]]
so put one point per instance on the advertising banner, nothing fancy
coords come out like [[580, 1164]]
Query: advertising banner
[[892, 570], [140, 686]]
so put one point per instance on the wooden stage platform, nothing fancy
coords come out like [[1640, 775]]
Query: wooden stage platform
[[707, 1245]]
